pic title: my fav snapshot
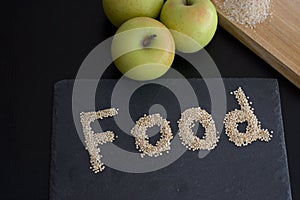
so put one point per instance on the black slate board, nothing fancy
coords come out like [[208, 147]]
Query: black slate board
[[258, 171]]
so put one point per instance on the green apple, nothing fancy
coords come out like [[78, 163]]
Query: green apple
[[143, 48], [119, 11], [193, 23]]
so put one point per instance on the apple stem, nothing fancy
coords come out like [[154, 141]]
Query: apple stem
[[148, 40], [188, 3]]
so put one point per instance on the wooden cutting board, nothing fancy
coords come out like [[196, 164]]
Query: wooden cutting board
[[276, 40]]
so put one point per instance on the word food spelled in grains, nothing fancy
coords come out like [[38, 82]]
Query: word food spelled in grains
[[185, 124]]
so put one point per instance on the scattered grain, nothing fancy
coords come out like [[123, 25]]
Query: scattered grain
[[188, 138], [246, 114], [142, 139], [246, 12], [92, 139]]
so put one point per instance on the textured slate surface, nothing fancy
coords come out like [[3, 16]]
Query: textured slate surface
[[258, 171]]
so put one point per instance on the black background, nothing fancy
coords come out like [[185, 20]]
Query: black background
[[43, 42]]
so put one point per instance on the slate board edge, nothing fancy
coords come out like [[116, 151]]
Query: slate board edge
[[282, 137]]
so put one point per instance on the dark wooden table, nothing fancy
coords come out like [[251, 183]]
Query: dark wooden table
[[46, 41]]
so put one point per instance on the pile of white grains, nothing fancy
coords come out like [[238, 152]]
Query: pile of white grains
[[246, 12]]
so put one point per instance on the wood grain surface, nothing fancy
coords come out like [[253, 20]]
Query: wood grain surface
[[276, 40]]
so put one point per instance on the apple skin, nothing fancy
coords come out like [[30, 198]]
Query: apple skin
[[119, 11], [193, 25], [139, 57]]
